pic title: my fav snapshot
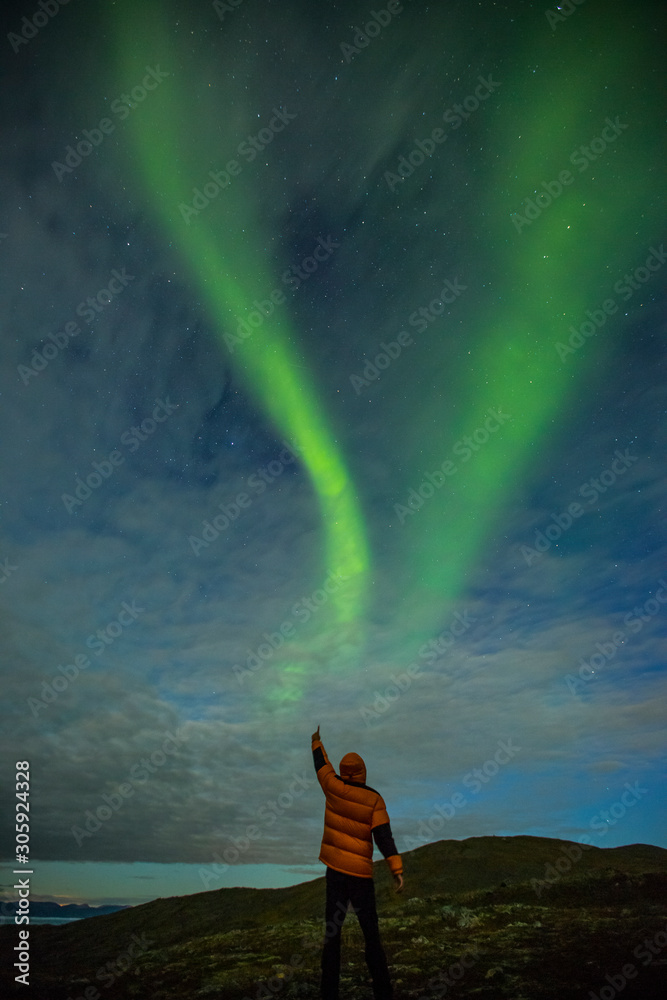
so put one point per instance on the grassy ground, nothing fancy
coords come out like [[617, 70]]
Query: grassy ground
[[522, 941]]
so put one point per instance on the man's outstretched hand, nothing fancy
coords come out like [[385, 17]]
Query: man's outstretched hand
[[316, 736], [398, 883]]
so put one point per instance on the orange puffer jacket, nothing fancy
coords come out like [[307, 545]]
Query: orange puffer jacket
[[354, 815]]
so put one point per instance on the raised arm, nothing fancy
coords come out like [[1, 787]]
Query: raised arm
[[320, 758]]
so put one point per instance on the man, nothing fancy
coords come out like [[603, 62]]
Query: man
[[355, 814]]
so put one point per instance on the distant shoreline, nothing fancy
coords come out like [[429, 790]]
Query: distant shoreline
[[4, 921]]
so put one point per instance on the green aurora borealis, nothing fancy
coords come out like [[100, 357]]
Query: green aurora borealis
[[511, 363], [468, 613], [600, 223], [225, 248]]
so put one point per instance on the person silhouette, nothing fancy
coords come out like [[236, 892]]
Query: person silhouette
[[354, 816]]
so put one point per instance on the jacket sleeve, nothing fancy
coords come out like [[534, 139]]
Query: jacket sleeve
[[384, 841], [322, 766]]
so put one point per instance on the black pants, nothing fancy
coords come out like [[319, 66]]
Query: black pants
[[342, 889]]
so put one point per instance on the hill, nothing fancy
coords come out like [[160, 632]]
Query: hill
[[531, 918]]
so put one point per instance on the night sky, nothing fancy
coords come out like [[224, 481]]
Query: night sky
[[332, 390]]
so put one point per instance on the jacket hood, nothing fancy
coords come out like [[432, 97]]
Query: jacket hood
[[353, 768]]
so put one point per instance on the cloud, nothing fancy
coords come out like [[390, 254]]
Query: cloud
[[171, 668]]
